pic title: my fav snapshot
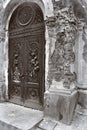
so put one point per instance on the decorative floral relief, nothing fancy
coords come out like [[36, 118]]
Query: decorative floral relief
[[25, 15], [16, 90], [51, 21], [63, 55], [33, 62], [33, 93], [16, 73]]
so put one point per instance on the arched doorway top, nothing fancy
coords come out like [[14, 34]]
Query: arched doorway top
[[11, 5], [26, 14]]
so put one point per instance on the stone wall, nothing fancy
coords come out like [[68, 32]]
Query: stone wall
[[66, 58]]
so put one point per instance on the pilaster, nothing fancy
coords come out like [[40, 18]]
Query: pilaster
[[82, 64], [2, 40], [61, 98]]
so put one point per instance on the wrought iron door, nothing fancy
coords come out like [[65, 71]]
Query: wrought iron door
[[26, 56]]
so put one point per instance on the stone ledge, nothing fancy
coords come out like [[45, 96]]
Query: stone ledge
[[15, 117], [60, 106]]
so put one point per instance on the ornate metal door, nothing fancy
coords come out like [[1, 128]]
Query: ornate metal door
[[26, 56]]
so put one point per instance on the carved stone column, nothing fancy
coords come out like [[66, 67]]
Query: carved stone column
[[82, 64], [50, 22], [61, 99]]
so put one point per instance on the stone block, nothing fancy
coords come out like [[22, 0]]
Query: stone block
[[60, 106], [82, 98]]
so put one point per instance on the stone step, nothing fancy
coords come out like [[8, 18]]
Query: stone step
[[45, 124], [5, 126], [15, 117]]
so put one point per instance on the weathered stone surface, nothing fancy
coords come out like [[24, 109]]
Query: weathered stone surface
[[4, 126], [35, 128], [14, 117], [82, 98], [63, 29], [47, 124], [60, 106], [62, 57], [67, 58], [80, 11], [79, 123], [2, 39], [80, 64]]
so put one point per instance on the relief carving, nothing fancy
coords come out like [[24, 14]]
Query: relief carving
[[33, 62], [16, 90], [25, 15], [16, 75], [33, 93], [63, 56], [58, 4]]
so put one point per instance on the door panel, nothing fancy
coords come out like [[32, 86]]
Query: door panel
[[26, 56]]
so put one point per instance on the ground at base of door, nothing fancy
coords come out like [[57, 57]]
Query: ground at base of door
[[15, 117], [79, 123]]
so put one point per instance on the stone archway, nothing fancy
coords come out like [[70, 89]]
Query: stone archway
[[9, 9]]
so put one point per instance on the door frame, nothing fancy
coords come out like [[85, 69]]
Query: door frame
[[37, 29]]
